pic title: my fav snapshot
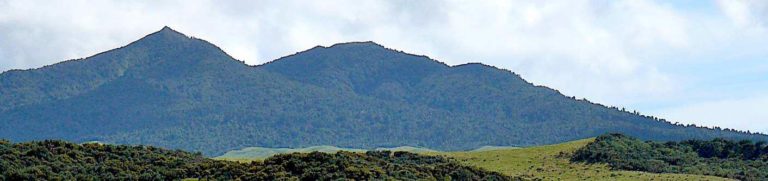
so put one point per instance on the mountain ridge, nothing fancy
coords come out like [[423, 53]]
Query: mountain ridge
[[165, 88]]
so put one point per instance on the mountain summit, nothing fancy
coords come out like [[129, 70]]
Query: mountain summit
[[171, 90]]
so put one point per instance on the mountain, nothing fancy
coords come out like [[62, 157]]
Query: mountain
[[170, 90]]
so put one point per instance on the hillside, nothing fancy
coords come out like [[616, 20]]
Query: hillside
[[743, 160], [261, 153], [173, 91], [549, 162], [59, 160], [552, 162]]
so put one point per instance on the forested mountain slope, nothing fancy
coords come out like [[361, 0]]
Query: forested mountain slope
[[174, 91]]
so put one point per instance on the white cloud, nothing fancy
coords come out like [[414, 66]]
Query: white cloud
[[743, 113], [746, 14], [629, 53]]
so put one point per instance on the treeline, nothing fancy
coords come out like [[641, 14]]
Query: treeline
[[662, 120], [743, 160], [59, 160]]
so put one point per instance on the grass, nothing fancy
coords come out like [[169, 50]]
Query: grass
[[260, 153], [551, 162]]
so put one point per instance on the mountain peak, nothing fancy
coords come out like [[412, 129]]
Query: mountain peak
[[164, 36], [168, 32], [357, 44], [166, 28], [168, 37]]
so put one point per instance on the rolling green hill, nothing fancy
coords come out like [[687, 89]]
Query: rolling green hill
[[261, 153], [552, 162], [549, 162], [174, 91]]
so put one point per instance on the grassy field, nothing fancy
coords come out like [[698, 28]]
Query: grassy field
[[551, 163], [260, 153]]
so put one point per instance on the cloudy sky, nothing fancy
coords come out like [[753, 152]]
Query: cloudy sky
[[690, 61]]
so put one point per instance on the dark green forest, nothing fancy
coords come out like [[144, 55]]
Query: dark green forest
[[743, 160], [173, 91], [59, 160]]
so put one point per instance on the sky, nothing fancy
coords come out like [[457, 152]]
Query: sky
[[689, 61]]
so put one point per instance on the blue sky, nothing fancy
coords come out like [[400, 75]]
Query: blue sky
[[690, 61]]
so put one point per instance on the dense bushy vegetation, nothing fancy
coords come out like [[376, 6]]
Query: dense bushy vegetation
[[58, 160], [177, 92], [744, 160]]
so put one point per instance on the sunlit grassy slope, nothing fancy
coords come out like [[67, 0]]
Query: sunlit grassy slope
[[260, 153], [551, 163]]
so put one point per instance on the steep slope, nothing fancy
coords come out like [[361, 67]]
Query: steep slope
[[171, 90], [506, 109], [179, 87], [118, 90]]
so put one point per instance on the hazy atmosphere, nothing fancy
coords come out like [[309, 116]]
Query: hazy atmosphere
[[701, 62]]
